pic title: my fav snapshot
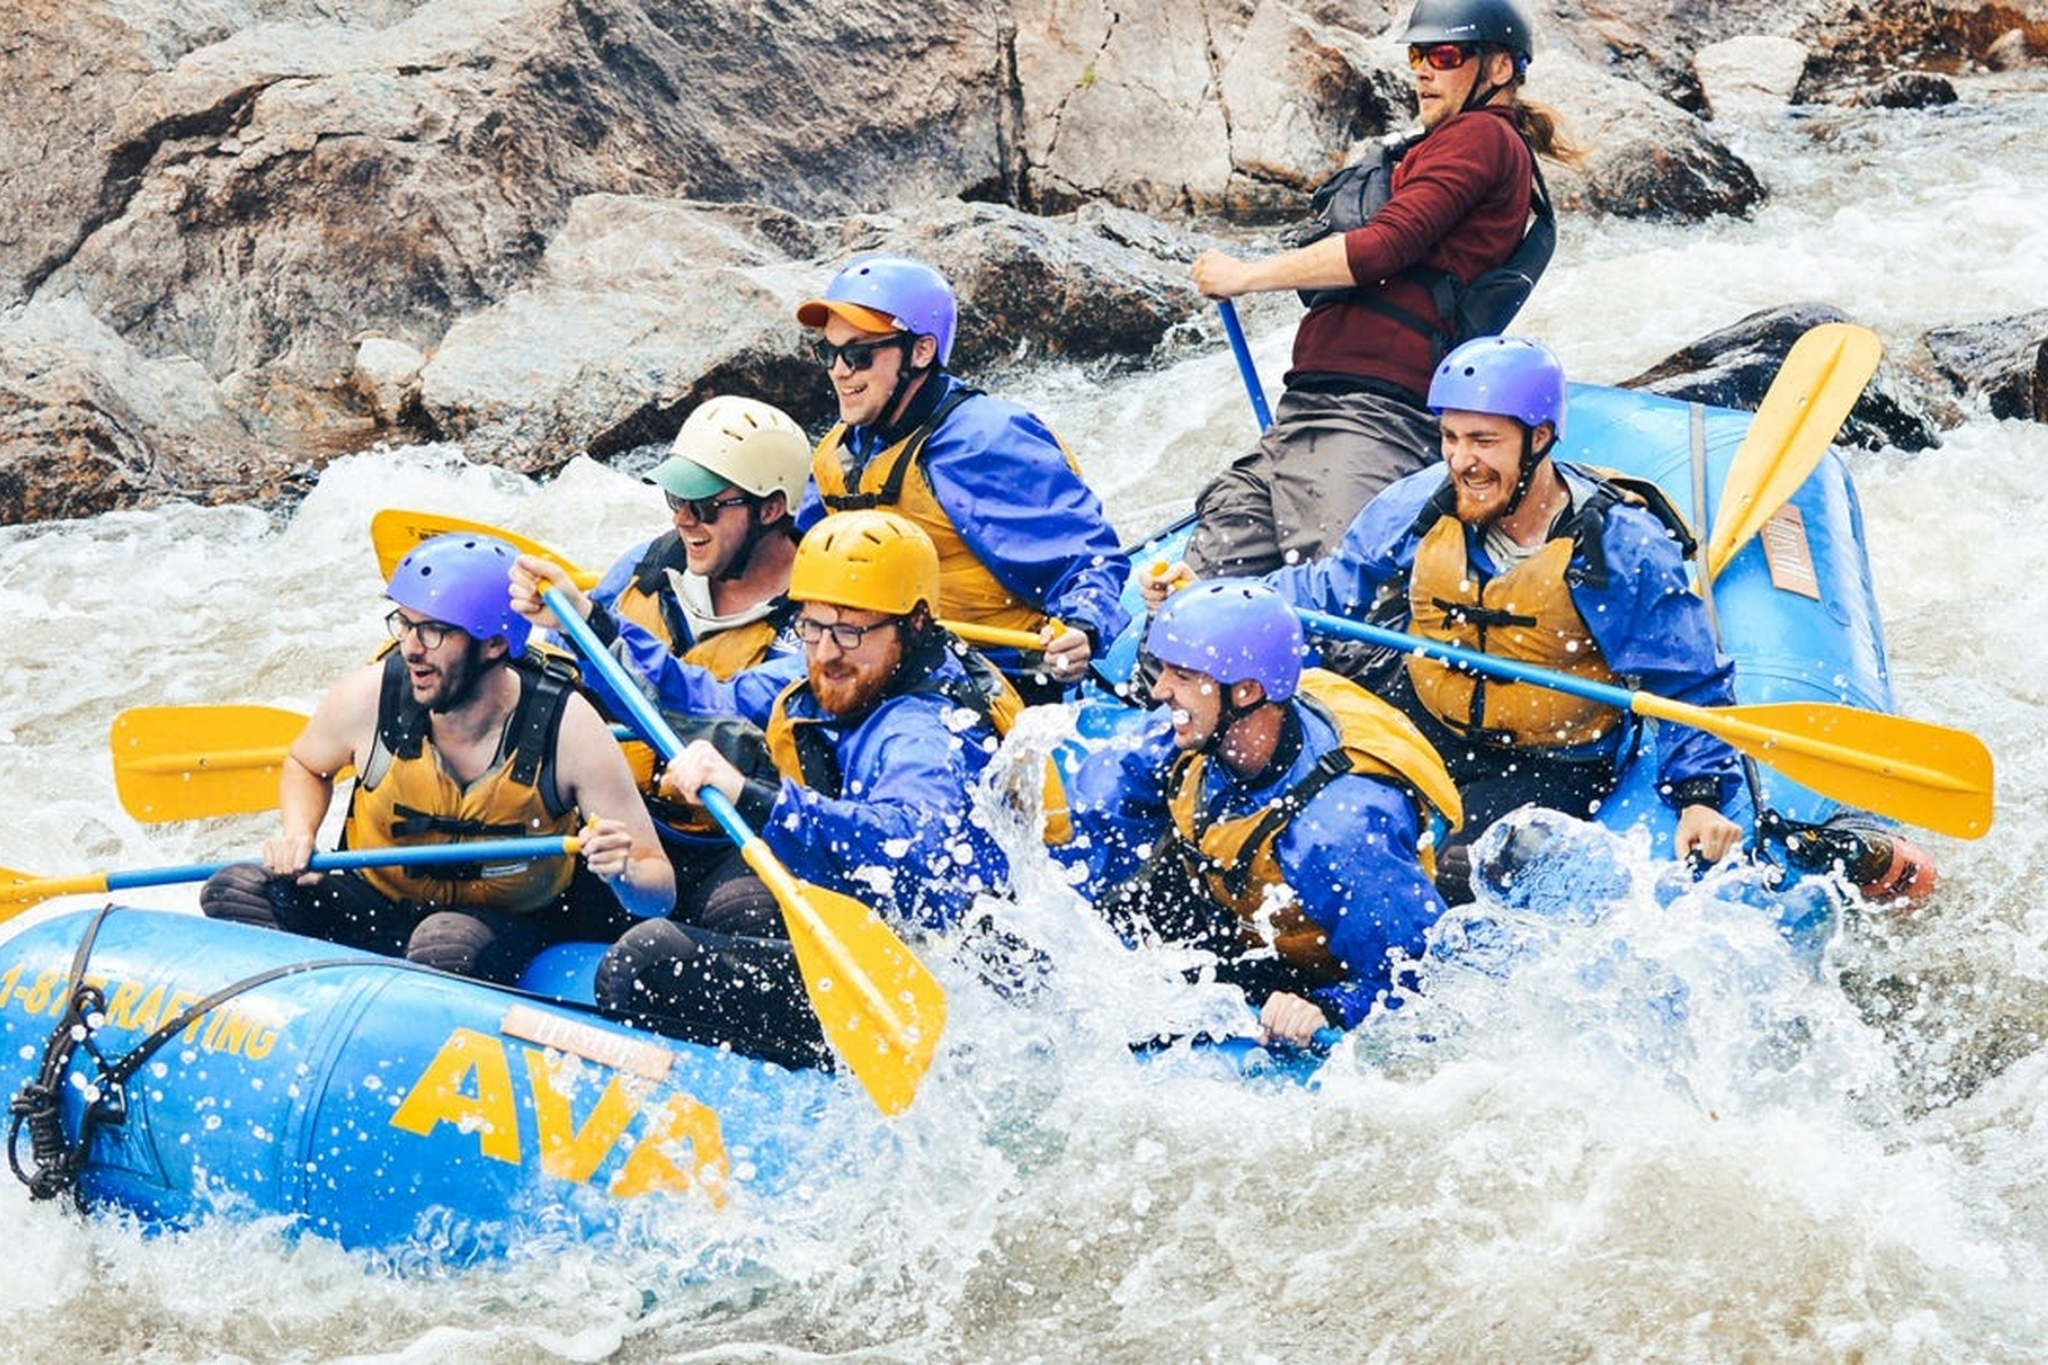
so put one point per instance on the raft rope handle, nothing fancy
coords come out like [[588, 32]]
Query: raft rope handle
[[37, 1105]]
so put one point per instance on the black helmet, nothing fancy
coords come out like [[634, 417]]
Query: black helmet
[[1502, 23]]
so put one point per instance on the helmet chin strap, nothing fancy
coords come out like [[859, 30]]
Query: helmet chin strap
[[907, 375], [1227, 718], [1477, 97], [1531, 457], [756, 529]]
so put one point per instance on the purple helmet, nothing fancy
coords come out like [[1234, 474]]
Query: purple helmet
[[889, 293], [465, 580], [1506, 376], [1233, 629]]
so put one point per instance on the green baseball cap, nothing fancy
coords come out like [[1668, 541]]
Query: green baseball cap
[[683, 477]]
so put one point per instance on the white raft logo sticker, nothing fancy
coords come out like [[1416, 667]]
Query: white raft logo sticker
[[473, 1084]]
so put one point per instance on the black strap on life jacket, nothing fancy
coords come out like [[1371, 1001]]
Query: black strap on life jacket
[[650, 577], [891, 492], [544, 688]]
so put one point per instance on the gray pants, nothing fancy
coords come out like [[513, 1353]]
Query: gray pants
[[1292, 498]]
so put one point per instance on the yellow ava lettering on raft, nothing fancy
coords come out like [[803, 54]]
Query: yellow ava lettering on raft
[[474, 1085]]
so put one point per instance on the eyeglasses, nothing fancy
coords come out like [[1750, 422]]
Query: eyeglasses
[[704, 509], [430, 633], [1439, 56], [847, 637], [858, 355]]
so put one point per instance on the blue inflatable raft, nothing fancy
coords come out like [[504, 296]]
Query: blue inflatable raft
[[179, 1068]]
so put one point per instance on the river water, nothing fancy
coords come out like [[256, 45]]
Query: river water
[[1554, 1165]]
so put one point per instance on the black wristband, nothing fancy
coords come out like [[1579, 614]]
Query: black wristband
[[757, 799], [602, 625], [1696, 791]]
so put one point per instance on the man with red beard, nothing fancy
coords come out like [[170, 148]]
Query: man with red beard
[[458, 732], [1502, 549], [880, 733]]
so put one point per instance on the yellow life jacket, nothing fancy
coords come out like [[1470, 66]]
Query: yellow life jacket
[[647, 601], [723, 653], [644, 599], [1237, 861], [1526, 614], [895, 481], [404, 796]]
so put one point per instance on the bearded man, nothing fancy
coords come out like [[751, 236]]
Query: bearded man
[[458, 732], [879, 734]]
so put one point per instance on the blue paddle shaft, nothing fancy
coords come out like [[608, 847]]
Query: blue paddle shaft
[[646, 719], [1233, 329], [1323, 624], [423, 855]]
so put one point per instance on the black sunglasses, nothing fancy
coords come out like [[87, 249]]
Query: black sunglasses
[[704, 509], [858, 355]]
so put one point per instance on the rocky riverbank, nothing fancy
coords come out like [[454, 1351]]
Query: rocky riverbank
[[241, 238]]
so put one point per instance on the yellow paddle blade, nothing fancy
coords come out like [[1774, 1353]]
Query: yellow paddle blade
[[1913, 771], [395, 530], [20, 890], [190, 762], [881, 1009], [1820, 381]]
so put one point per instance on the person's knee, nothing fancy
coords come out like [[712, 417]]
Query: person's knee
[[644, 968], [450, 942], [744, 907], [240, 892]]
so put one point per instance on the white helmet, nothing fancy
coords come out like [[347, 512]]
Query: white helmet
[[754, 446]]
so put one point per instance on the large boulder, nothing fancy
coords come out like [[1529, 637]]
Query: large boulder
[[643, 308], [87, 423], [345, 221]]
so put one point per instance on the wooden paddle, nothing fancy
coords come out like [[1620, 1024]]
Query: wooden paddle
[[880, 1007], [20, 890], [1820, 381], [1922, 774]]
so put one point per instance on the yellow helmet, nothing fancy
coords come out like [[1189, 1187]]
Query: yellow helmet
[[869, 560]]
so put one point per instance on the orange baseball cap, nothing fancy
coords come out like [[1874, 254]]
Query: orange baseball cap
[[861, 318]]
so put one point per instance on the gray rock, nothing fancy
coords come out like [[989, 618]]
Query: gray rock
[[87, 424], [1734, 368], [2003, 364]]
